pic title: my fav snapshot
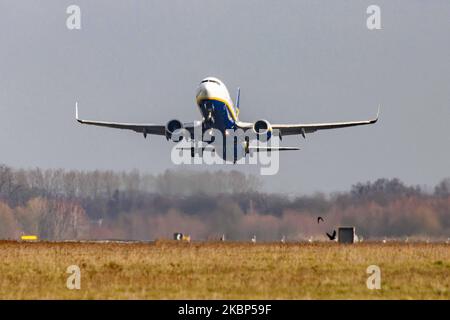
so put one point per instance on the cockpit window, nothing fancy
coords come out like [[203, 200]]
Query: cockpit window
[[213, 81]]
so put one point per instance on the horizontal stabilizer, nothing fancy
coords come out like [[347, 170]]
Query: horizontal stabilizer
[[259, 149], [250, 148]]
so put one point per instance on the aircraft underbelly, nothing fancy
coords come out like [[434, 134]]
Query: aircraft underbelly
[[218, 113]]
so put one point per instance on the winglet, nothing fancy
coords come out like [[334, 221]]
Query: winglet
[[76, 112], [378, 114]]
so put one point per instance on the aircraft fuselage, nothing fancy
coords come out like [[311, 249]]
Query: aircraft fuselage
[[216, 105]]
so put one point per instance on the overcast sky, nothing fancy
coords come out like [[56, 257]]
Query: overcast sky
[[295, 61]]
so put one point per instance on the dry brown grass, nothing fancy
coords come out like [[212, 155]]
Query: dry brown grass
[[170, 270]]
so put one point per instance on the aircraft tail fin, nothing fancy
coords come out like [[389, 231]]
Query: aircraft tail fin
[[238, 96]]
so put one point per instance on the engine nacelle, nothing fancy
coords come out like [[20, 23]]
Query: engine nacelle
[[263, 130], [171, 127]]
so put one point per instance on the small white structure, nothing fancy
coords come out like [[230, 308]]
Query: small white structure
[[283, 239], [178, 236], [254, 239]]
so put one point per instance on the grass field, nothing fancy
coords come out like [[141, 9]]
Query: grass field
[[171, 270]]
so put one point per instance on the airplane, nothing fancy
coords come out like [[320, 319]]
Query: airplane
[[219, 112]]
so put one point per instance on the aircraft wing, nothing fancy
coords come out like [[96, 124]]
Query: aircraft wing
[[303, 128], [144, 128]]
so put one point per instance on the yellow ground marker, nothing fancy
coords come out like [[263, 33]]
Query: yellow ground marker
[[29, 238]]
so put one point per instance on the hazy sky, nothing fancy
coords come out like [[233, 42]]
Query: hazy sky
[[295, 61]]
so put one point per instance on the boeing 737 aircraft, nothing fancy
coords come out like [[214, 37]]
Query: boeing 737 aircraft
[[219, 112]]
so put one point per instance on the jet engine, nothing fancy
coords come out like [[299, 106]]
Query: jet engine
[[263, 130], [171, 127]]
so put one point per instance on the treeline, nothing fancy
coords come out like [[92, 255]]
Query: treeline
[[60, 204]]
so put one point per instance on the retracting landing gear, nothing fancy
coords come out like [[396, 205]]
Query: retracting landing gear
[[210, 116]]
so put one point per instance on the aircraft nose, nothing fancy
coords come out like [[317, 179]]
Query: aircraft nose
[[204, 91]]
